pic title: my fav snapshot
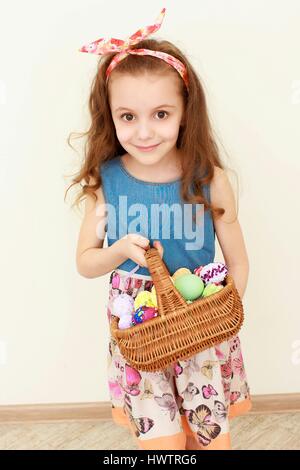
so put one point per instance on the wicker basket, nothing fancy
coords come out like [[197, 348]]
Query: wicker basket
[[180, 330]]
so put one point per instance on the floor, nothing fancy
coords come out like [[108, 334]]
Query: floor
[[276, 431]]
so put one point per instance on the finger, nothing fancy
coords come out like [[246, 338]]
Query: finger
[[159, 247], [141, 258], [142, 241]]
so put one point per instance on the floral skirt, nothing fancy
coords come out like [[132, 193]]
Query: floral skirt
[[189, 403]]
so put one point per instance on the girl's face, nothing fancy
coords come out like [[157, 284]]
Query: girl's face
[[146, 110]]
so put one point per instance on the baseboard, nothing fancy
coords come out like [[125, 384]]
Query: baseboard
[[276, 403], [58, 412]]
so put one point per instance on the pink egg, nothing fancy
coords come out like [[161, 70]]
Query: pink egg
[[149, 312], [214, 273]]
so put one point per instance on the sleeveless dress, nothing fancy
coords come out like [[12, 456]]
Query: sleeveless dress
[[196, 397]]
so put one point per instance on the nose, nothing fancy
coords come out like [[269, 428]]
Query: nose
[[144, 132]]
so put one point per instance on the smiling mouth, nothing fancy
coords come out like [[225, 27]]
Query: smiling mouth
[[148, 147]]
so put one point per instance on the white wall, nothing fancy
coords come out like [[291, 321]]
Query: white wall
[[53, 327]]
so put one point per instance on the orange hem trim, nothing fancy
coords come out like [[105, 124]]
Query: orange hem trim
[[120, 417], [240, 408], [174, 442]]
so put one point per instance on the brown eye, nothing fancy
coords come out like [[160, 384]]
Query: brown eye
[[161, 112], [126, 114]]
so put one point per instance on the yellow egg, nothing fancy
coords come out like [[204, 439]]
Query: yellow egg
[[143, 298], [180, 272], [153, 296]]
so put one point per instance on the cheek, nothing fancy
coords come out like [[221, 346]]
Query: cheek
[[170, 131], [124, 133]]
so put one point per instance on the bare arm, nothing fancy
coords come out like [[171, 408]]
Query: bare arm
[[92, 260], [229, 232]]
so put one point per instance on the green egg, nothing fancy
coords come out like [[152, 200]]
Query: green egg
[[190, 286], [211, 289]]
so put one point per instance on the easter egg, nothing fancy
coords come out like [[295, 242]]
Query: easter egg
[[153, 296], [149, 312], [138, 317], [123, 305], [213, 272], [143, 314], [198, 270], [180, 272], [211, 289], [125, 322], [190, 286], [143, 298]]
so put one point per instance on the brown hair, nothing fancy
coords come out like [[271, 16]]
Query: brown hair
[[195, 137]]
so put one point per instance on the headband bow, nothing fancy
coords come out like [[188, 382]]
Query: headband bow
[[104, 46]]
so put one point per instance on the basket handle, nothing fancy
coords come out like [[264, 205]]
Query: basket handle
[[161, 278]]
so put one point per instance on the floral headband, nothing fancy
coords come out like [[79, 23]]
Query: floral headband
[[105, 46]]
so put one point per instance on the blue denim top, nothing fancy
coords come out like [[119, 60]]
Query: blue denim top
[[156, 211]]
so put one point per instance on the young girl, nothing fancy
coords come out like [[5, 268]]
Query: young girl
[[150, 145]]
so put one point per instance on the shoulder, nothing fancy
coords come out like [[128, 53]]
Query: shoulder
[[90, 201], [222, 194], [219, 176]]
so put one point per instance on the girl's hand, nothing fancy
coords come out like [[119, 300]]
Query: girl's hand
[[159, 248], [134, 247]]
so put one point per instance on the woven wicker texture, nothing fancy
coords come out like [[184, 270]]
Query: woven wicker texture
[[181, 330]]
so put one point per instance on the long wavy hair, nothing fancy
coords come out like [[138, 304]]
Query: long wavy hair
[[195, 137]]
